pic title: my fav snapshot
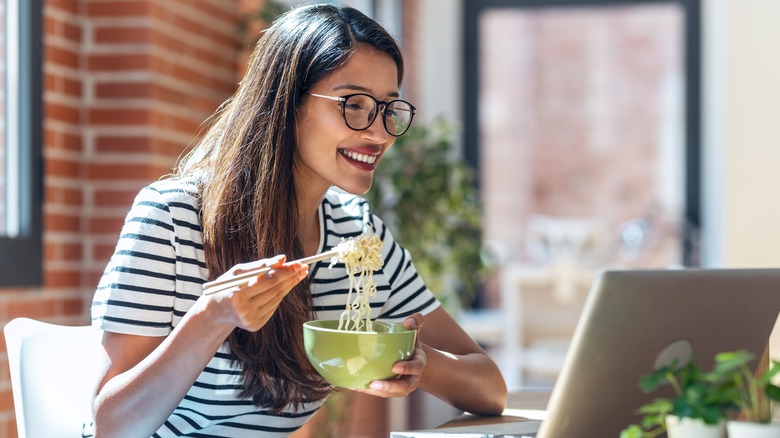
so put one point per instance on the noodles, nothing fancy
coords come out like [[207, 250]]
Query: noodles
[[361, 256]]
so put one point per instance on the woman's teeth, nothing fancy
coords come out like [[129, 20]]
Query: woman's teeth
[[359, 157]]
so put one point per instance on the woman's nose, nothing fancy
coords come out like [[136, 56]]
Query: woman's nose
[[376, 130]]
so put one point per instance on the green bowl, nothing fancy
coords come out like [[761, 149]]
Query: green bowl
[[350, 359]]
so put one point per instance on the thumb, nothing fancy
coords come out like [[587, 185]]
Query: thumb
[[414, 322]]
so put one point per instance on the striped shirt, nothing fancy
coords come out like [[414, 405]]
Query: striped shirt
[[156, 274]]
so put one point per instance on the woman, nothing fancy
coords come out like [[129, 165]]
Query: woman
[[318, 108]]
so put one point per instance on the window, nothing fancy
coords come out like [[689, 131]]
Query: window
[[587, 109], [21, 182], [582, 118]]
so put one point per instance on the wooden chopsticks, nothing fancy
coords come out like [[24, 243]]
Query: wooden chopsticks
[[216, 286]]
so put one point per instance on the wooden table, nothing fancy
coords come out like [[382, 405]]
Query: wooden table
[[520, 406]]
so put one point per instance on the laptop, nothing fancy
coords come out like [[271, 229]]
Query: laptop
[[635, 321]]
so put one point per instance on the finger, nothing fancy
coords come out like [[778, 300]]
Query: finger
[[414, 322], [267, 303], [278, 260], [276, 284], [276, 275], [413, 366], [270, 262], [289, 274], [392, 388]]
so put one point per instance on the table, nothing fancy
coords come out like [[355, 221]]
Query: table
[[520, 406]]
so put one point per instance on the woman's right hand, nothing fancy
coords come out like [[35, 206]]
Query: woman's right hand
[[153, 374], [251, 305]]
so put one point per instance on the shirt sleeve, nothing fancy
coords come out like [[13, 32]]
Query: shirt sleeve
[[409, 294], [136, 292]]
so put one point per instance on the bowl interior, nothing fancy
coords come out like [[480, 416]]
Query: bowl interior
[[352, 359], [378, 327]]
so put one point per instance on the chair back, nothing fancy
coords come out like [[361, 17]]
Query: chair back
[[54, 371]]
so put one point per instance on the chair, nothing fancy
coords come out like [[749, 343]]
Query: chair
[[54, 370]]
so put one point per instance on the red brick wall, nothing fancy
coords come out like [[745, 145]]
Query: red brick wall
[[126, 85]]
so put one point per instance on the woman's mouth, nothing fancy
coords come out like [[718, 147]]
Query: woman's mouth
[[363, 158]]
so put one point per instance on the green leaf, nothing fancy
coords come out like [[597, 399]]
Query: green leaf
[[769, 374], [655, 379], [659, 406], [773, 392], [632, 431], [731, 360]]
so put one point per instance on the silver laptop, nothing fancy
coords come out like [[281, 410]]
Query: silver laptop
[[635, 321]]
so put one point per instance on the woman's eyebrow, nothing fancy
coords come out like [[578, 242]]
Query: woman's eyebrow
[[361, 89]]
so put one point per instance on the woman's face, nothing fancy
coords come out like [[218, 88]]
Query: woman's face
[[328, 151]]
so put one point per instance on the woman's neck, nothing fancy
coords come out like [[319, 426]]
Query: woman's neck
[[309, 221]]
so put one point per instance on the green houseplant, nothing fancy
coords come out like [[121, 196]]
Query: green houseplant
[[698, 395], [427, 195], [731, 392], [752, 393]]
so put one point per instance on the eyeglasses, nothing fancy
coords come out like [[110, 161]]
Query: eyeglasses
[[360, 110]]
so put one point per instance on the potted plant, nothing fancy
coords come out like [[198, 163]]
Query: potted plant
[[426, 193], [699, 407], [751, 393]]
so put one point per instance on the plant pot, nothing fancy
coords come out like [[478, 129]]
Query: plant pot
[[677, 427], [746, 429]]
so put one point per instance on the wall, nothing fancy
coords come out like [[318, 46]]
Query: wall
[[741, 150], [438, 56], [747, 206], [126, 85]]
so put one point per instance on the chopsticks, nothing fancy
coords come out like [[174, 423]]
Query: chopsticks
[[216, 286]]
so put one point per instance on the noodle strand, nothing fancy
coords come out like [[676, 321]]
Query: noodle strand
[[361, 256]]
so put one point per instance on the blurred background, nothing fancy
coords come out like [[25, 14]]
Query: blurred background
[[554, 139]]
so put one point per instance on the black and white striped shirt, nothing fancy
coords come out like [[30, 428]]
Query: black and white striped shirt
[[157, 272]]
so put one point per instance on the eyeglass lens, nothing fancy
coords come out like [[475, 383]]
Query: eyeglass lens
[[360, 112]]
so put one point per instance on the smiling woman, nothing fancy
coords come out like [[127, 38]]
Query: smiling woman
[[20, 153], [278, 176]]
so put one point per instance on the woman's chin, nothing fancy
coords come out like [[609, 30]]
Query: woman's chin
[[354, 189]]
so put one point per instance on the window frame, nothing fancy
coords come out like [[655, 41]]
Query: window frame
[[692, 98], [21, 256]]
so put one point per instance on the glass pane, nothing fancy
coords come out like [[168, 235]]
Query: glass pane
[[3, 154], [21, 33], [581, 123], [582, 160], [9, 122]]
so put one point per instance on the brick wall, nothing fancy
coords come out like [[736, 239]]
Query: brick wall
[[126, 85]]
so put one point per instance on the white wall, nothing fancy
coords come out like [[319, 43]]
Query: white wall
[[439, 69], [741, 142]]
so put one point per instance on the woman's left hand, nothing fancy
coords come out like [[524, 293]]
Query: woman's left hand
[[408, 371]]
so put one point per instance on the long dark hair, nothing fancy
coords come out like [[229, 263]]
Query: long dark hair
[[244, 166]]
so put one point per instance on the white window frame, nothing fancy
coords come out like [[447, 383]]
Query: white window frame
[[21, 235]]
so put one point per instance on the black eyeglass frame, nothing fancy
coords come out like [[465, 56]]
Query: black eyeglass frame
[[377, 103]]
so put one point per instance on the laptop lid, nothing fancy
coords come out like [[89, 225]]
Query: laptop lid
[[634, 321]]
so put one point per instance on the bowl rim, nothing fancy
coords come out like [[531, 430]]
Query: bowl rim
[[310, 325]]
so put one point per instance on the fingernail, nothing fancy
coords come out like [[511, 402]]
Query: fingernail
[[375, 385]]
